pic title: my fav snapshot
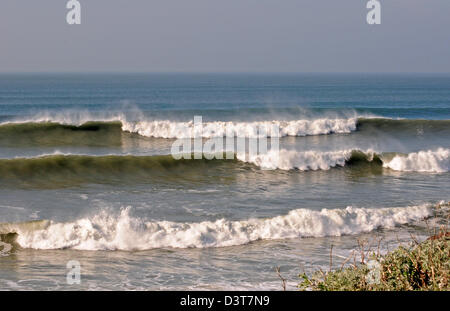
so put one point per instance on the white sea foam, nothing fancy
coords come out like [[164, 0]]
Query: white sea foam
[[301, 160], [76, 118], [124, 232], [171, 129], [433, 161], [176, 129], [437, 161]]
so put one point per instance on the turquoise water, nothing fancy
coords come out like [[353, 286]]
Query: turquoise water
[[361, 156]]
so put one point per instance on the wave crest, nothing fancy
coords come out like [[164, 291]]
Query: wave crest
[[58, 170], [306, 160], [430, 161], [59, 129], [437, 161], [124, 232], [170, 129]]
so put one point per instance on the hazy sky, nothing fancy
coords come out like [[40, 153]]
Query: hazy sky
[[225, 36]]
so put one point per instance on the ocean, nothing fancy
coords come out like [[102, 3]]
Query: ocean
[[87, 175]]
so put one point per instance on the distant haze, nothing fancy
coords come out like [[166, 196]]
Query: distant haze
[[225, 36]]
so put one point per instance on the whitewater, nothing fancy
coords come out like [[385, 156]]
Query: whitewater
[[170, 129], [124, 232], [430, 161]]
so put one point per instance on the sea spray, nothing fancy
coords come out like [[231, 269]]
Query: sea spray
[[124, 232], [432, 161]]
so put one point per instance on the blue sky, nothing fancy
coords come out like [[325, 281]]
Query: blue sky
[[225, 36]]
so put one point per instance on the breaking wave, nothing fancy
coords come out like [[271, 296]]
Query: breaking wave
[[437, 161], [170, 129], [308, 160], [109, 131], [174, 130], [124, 232], [430, 161], [61, 170]]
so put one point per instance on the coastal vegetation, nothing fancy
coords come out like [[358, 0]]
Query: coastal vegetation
[[419, 266]]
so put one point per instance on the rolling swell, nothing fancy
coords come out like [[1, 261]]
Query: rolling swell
[[56, 134], [70, 170], [404, 125], [112, 133], [56, 171]]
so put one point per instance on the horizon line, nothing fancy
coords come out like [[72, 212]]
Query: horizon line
[[229, 72]]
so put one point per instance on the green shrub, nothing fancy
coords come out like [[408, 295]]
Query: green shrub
[[423, 266]]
